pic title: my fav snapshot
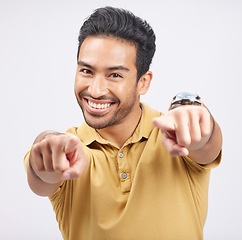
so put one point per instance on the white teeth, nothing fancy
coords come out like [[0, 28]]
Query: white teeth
[[99, 105]]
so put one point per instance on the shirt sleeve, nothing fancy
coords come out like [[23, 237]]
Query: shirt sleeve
[[26, 159], [196, 167]]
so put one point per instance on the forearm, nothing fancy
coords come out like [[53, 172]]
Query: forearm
[[210, 151]]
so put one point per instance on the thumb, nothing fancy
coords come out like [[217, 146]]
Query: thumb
[[170, 144], [77, 167]]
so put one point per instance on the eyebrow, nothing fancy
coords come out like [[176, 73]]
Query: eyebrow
[[118, 67], [81, 63]]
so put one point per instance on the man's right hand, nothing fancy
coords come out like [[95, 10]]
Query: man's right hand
[[55, 157]]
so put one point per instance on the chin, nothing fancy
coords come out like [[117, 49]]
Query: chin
[[95, 126], [98, 123]]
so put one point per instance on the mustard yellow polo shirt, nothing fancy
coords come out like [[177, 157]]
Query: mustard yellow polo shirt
[[135, 192]]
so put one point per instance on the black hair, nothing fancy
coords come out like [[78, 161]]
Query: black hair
[[122, 24]]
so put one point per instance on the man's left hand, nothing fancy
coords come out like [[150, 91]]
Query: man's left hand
[[185, 129]]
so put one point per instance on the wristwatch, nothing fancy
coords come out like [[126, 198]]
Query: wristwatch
[[185, 98]]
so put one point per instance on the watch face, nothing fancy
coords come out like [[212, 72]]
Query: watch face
[[186, 98]]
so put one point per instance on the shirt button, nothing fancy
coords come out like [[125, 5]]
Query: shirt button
[[124, 175], [121, 155]]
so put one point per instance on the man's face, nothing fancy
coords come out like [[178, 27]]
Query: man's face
[[106, 81]]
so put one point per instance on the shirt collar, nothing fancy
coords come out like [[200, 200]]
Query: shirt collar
[[88, 134]]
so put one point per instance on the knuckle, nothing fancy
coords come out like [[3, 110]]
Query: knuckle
[[71, 143], [196, 135], [56, 143], [35, 149], [57, 167], [61, 163], [44, 144], [48, 164], [49, 169], [206, 132], [185, 142], [73, 139], [196, 138]]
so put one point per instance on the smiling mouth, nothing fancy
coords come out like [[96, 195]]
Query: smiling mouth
[[98, 105]]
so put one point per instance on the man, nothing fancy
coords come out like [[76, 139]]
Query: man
[[113, 177]]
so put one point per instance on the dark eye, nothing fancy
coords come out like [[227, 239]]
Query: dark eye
[[86, 71], [115, 75]]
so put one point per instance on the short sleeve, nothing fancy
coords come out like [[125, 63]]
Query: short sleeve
[[26, 159], [200, 168]]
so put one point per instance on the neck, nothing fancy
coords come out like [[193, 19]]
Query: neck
[[119, 133]]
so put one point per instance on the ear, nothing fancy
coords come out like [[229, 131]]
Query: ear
[[144, 83]]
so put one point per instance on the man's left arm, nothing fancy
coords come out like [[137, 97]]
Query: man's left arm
[[190, 131]]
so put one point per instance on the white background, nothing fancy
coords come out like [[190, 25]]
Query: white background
[[199, 49]]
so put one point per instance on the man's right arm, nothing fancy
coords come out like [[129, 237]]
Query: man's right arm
[[54, 157]]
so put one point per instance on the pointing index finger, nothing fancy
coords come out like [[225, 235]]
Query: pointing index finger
[[164, 123]]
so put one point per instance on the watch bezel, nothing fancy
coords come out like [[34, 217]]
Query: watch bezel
[[185, 98]]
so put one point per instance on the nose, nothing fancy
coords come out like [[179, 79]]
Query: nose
[[98, 87]]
